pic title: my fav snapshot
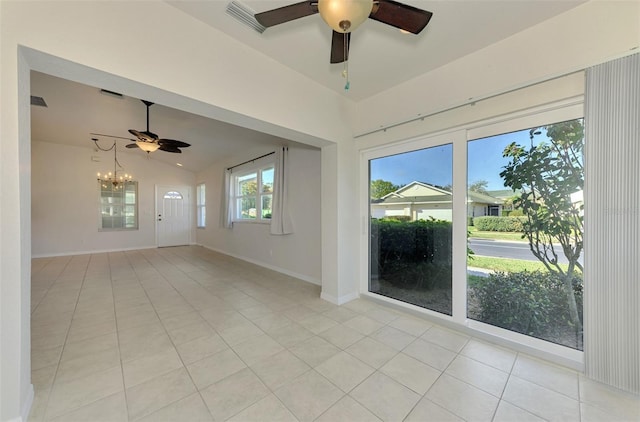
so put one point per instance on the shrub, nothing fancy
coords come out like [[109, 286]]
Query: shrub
[[414, 253], [531, 303], [469, 221], [500, 224], [516, 213]]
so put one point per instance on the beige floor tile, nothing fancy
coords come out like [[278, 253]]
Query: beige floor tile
[[239, 333], [269, 409], [393, 337], [109, 409], [43, 358], [411, 373], [498, 357], [188, 409], [233, 394], [340, 314], [508, 413], [272, 322], [317, 323], [384, 397], [430, 353], [141, 341], [347, 410], [314, 350], [86, 365], [150, 366], [341, 336], [190, 332], [344, 371], [176, 321], [445, 338], [309, 395], [90, 346], [156, 393], [540, 401], [372, 352], [381, 314], [298, 312], [200, 348], [214, 368], [462, 399], [257, 348], [479, 375], [553, 377], [79, 332], [291, 335], [615, 402], [279, 369], [73, 394], [426, 410], [363, 324]]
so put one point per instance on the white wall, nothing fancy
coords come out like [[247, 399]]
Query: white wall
[[297, 254], [64, 199]]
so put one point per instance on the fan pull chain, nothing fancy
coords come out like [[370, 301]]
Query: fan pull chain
[[345, 71]]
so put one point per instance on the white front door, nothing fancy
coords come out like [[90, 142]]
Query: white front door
[[173, 215]]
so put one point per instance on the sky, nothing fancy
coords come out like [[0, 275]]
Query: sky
[[434, 165]]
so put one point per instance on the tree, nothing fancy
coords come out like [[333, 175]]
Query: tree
[[547, 175], [380, 188], [479, 186]]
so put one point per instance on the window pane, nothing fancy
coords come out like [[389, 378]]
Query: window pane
[[267, 181], [525, 194], [411, 227], [248, 184], [118, 205], [247, 208], [266, 206]]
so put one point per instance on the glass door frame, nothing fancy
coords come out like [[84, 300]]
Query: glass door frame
[[537, 116]]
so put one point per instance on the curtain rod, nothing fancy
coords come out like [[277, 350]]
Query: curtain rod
[[248, 161]]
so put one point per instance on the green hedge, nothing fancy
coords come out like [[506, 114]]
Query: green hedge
[[416, 253], [532, 303], [499, 224]]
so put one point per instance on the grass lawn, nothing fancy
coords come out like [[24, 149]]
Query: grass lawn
[[505, 265], [473, 232]]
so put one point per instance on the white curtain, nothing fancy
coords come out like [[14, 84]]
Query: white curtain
[[226, 211], [280, 218], [612, 223]]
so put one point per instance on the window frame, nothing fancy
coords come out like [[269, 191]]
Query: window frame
[[201, 208], [236, 197], [460, 136], [122, 206]]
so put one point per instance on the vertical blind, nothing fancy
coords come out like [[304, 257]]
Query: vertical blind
[[612, 220]]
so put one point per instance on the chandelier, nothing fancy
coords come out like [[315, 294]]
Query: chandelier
[[116, 178]]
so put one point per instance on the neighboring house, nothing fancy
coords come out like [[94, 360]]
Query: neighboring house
[[506, 195], [422, 201]]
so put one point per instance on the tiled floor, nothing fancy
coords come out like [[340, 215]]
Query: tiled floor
[[185, 334]]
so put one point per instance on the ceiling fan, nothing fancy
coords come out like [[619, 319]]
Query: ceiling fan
[[149, 141], [343, 16]]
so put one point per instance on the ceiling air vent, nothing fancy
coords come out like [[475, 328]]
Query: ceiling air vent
[[244, 15], [38, 101]]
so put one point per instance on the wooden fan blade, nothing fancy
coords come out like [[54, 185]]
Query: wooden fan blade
[[167, 148], [134, 145], [286, 13], [173, 143], [111, 136], [338, 51], [145, 136], [402, 16]]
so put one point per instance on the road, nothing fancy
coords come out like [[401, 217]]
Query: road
[[513, 250]]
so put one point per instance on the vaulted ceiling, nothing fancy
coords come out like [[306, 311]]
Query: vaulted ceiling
[[380, 58]]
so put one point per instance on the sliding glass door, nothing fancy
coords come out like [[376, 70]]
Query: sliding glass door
[[411, 217]]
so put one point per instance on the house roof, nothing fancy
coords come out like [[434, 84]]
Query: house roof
[[433, 194]]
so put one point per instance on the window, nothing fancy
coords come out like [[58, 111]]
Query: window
[[253, 194], [200, 206], [410, 226], [118, 206], [526, 271]]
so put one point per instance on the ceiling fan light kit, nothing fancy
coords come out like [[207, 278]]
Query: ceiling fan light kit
[[344, 16]]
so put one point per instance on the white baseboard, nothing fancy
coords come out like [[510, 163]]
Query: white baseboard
[[26, 406], [339, 300], [85, 252], [268, 266]]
